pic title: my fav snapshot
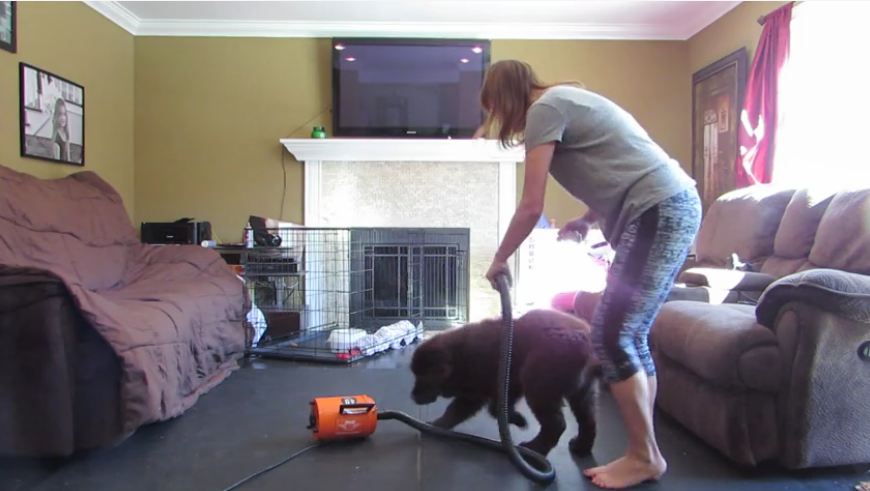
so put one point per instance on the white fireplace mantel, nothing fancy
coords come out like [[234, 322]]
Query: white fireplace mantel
[[315, 153], [400, 150]]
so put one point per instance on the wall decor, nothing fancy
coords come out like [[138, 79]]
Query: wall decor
[[7, 25], [717, 98], [52, 117]]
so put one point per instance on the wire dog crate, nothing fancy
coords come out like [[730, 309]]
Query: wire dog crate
[[342, 294]]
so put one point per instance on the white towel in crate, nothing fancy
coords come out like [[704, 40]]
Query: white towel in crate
[[393, 336], [343, 340]]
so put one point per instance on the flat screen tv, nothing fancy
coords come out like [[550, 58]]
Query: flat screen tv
[[407, 87]]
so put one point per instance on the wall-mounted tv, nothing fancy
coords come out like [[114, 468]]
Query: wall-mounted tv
[[407, 87]]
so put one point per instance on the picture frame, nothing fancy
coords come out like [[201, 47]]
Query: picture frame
[[52, 116], [717, 99], [8, 22]]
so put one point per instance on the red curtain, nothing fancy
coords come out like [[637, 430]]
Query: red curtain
[[755, 136]]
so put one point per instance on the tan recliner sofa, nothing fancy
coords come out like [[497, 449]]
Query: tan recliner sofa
[[785, 379]]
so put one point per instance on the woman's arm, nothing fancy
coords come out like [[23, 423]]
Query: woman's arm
[[577, 228], [590, 216], [531, 204]]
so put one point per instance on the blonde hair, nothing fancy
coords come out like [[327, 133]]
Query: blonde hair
[[506, 96]]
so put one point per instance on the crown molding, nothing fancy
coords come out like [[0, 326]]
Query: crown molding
[[404, 29], [137, 26], [116, 13], [694, 26]]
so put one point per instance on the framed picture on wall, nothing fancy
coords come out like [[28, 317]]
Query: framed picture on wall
[[7, 25], [717, 99], [52, 116]]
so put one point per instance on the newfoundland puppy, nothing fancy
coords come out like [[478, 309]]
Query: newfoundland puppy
[[552, 360]]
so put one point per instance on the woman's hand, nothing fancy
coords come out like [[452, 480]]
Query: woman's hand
[[575, 230], [496, 269]]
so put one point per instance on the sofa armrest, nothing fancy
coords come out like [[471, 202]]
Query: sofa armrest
[[823, 405], [59, 379], [839, 292], [726, 279]]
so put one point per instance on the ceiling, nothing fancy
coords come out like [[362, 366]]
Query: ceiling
[[493, 19]]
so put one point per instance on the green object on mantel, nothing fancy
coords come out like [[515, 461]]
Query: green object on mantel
[[318, 132]]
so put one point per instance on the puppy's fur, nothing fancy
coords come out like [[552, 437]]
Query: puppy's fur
[[552, 360]]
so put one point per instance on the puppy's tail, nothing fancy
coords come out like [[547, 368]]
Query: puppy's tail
[[590, 373]]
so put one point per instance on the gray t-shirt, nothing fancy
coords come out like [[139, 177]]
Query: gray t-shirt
[[603, 156]]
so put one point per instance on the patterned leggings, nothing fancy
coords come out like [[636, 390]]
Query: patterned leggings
[[648, 257]]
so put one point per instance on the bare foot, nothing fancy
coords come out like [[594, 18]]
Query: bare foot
[[629, 471], [593, 471]]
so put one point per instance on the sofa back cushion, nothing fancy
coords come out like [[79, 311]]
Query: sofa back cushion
[[797, 232], [800, 222], [75, 227], [743, 221], [843, 238]]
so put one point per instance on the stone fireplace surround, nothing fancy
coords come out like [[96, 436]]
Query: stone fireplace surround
[[463, 183]]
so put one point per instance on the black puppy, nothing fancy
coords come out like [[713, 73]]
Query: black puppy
[[552, 360]]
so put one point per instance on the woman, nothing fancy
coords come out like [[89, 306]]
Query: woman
[[60, 131], [649, 211]]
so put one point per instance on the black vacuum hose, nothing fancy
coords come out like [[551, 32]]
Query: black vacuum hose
[[532, 464]]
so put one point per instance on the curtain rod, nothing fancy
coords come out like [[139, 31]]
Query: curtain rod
[[763, 18]]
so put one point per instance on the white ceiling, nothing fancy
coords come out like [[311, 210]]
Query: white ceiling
[[494, 19]]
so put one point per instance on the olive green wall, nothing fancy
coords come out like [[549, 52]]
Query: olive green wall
[[647, 78], [206, 113], [73, 41], [210, 111], [734, 30]]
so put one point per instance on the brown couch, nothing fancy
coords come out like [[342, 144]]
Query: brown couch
[[100, 334], [739, 228], [786, 379]]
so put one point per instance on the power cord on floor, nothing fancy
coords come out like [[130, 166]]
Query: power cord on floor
[[271, 467]]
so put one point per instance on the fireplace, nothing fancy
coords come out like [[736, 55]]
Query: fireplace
[[411, 273], [422, 184]]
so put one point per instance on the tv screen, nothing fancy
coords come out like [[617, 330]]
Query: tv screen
[[407, 87]]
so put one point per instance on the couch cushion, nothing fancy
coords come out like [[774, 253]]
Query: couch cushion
[[800, 222], [780, 266], [722, 344], [843, 238], [726, 279], [742, 221], [683, 291]]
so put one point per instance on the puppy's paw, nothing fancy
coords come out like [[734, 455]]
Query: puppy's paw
[[518, 420], [581, 446], [443, 424]]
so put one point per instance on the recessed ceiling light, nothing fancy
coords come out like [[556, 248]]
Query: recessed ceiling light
[[464, 60], [477, 50], [339, 47], [350, 58]]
